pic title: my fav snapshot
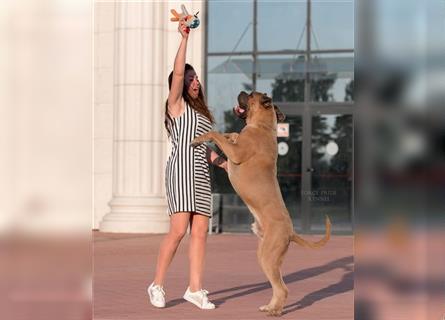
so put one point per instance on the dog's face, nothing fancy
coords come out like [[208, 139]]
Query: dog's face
[[249, 104]]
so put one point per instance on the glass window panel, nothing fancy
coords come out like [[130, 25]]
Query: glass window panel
[[331, 192], [235, 216], [281, 25], [289, 168], [332, 25], [399, 31], [332, 77], [230, 26], [281, 77], [226, 77]]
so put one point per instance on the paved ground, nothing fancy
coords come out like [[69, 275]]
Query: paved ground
[[320, 281]]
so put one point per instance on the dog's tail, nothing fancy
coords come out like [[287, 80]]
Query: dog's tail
[[309, 244]]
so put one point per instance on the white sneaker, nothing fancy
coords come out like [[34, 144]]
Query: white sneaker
[[199, 299], [157, 295]]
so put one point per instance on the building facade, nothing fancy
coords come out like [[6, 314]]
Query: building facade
[[288, 50]]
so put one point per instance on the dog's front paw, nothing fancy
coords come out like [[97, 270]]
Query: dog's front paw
[[198, 141]]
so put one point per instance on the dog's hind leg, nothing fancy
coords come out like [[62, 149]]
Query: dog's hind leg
[[271, 254]]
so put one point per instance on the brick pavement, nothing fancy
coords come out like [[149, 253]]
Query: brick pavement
[[320, 281]]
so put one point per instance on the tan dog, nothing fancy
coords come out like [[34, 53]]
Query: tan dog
[[252, 169]]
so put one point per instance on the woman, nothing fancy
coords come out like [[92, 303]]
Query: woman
[[187, 178]]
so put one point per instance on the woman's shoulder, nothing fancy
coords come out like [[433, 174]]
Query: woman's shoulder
[[177, 110]]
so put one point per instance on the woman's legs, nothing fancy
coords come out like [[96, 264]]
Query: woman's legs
[[178, 227], [199, 227]]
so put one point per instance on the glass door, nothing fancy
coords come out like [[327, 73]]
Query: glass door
[[331, 172], [314, 170], [289, 164], [315, 166]]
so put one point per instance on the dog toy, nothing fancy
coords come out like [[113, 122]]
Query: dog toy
[[191, 21]]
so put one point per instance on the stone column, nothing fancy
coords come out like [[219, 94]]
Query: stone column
[[138, 203], [146, 43]]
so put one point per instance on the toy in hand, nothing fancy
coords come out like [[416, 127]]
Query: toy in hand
[[191, 21]]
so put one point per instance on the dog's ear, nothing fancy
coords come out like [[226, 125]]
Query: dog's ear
[[266, 101], [280, 115]]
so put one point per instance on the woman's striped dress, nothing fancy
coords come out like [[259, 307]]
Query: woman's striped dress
[[187, 178]]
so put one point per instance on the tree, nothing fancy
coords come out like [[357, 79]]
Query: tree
[[342, 131], [286, 89], [349, 91], [289, 86]]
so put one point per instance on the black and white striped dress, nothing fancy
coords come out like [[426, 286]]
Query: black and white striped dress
[[187, 177]]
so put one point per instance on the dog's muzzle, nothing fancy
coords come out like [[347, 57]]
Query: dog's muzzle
[[240, 112], [241, 109]]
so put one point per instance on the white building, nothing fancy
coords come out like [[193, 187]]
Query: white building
[[286, 49], [135, 45]]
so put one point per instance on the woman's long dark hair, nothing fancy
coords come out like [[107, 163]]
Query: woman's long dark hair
[[198, 104]]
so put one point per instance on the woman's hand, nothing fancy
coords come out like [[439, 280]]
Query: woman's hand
[[183, 29], [215, 159]]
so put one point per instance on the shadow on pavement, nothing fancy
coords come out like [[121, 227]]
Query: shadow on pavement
[[345, 284]]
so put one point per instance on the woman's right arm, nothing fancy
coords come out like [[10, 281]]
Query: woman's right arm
[[175, 94], [215, 159]]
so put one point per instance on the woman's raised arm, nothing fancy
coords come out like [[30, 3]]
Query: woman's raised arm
[[174, 97]]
